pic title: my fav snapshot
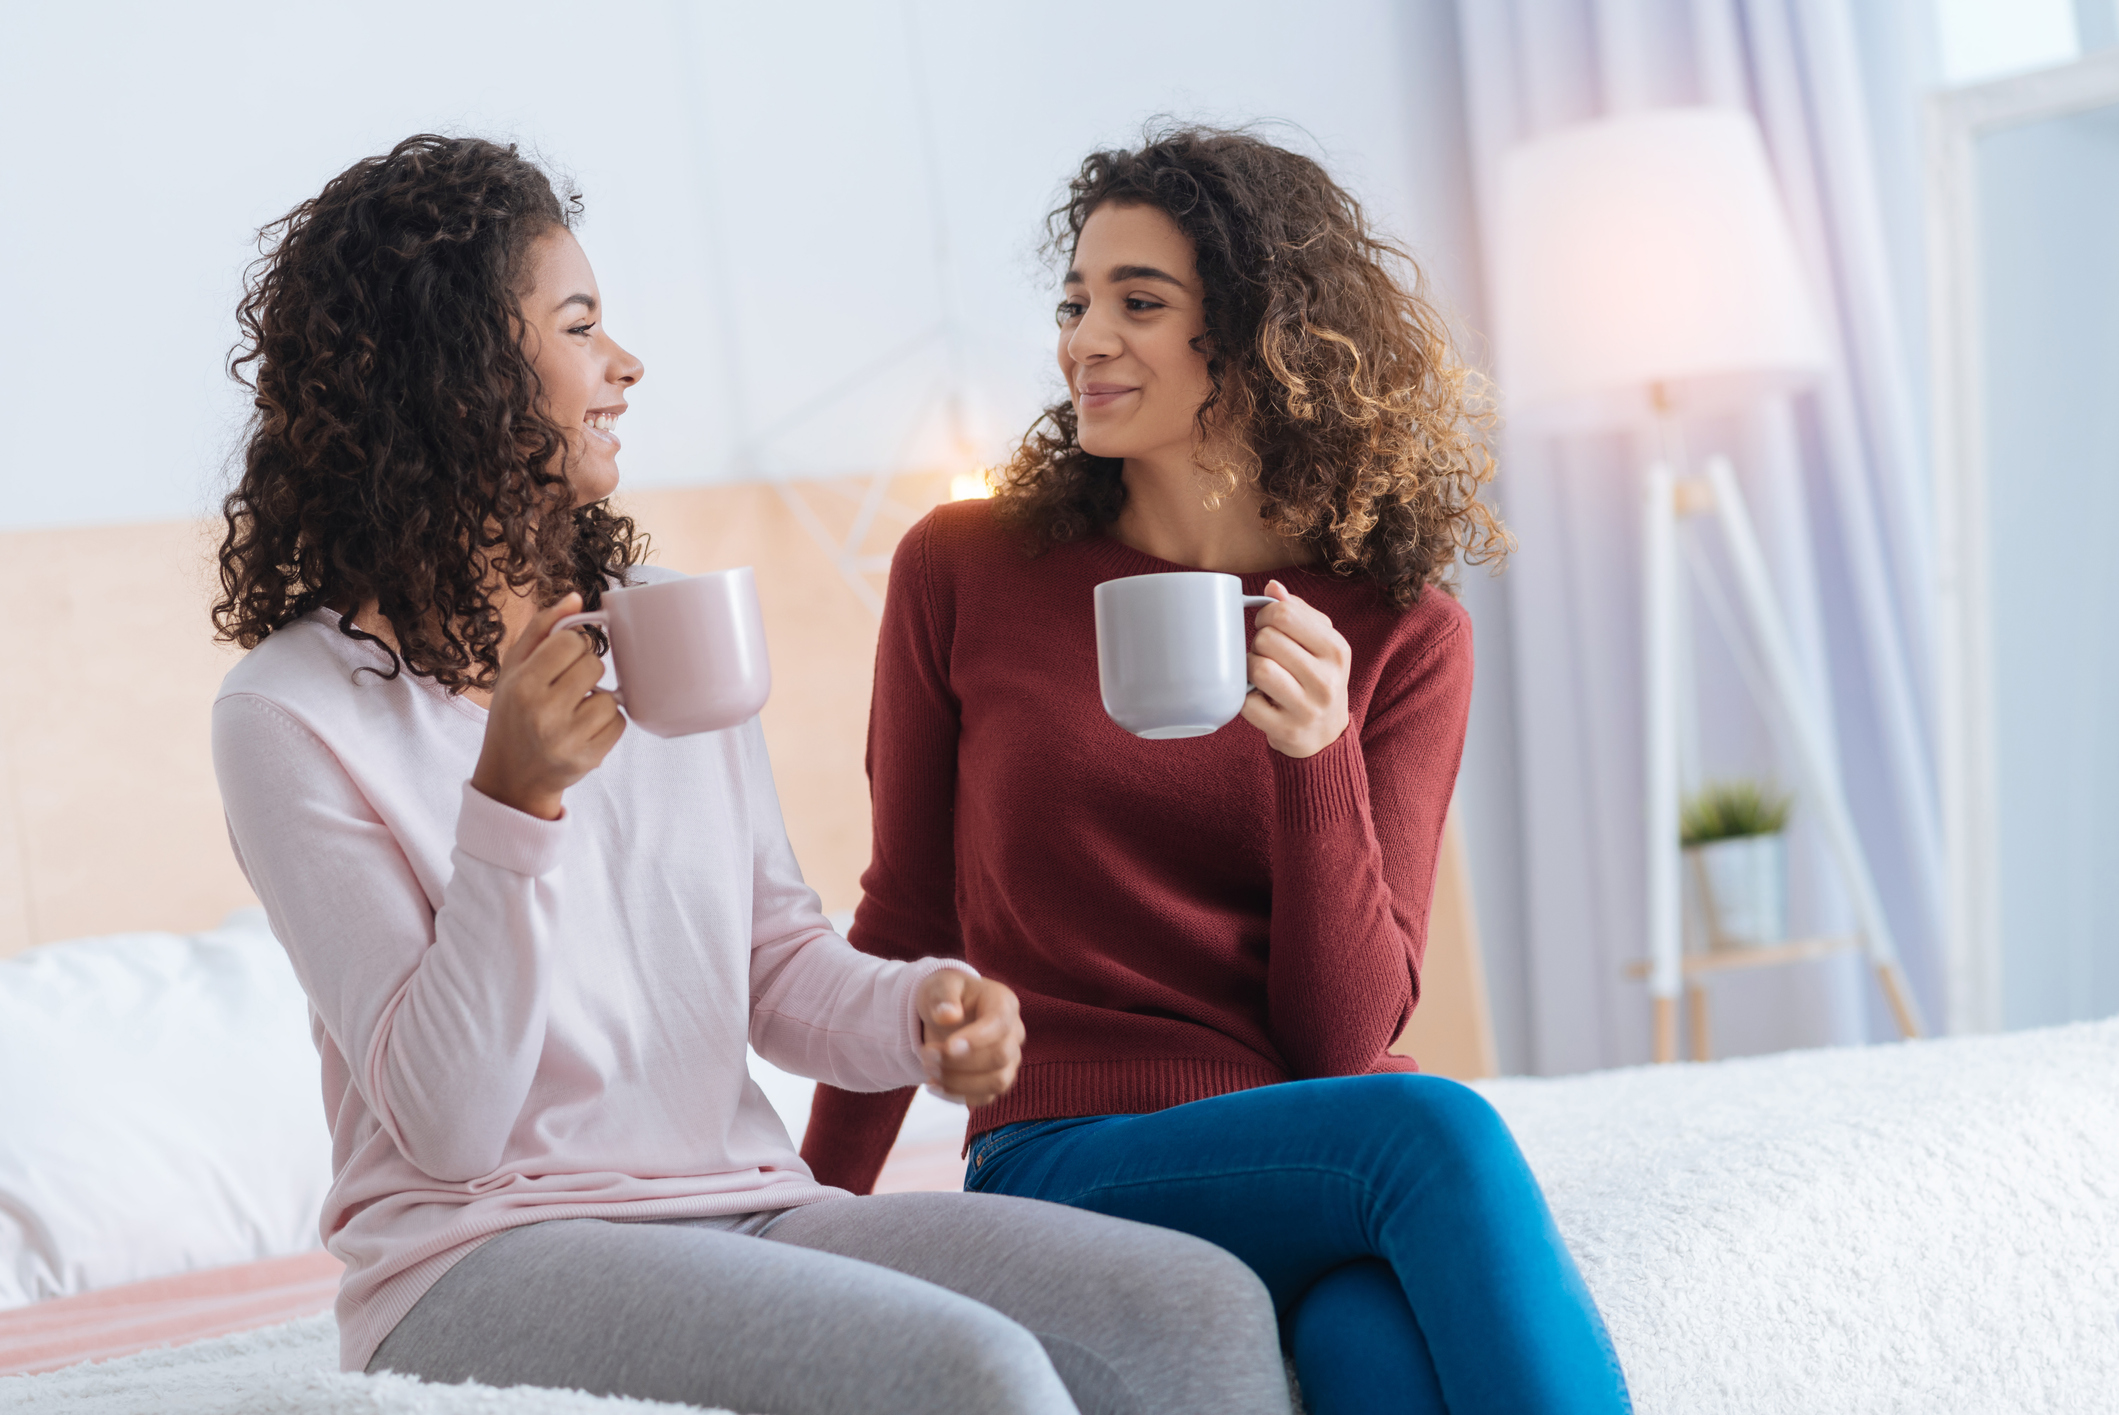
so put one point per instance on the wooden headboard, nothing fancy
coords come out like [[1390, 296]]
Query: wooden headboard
[[110, 821]]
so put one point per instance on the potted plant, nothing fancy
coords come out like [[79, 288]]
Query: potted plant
[[1732, 833]]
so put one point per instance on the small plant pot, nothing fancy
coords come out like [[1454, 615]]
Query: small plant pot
[[1744, 888]]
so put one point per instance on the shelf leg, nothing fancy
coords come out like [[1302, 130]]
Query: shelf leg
[[1901, 999], [1696, 1021], [1666, 1029], [1825, 796]]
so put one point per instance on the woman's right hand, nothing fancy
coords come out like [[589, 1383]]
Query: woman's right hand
[[549, 724], [971, 1031]]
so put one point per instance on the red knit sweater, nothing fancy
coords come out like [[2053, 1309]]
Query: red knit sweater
[[1180, 919]]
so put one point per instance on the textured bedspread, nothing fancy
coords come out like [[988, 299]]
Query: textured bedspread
[[1930, 1229], [284, 1370]]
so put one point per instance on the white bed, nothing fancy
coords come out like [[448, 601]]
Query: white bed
[[1926, 1228]]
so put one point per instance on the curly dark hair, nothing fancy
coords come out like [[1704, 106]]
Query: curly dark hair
[[1335, 388], [399, 452]]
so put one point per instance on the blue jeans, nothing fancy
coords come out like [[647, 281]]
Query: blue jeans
[[1405, 1242]]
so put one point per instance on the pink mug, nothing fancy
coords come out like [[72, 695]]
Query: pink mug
[[690, 653]]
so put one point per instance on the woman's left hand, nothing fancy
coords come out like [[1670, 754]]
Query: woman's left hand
[[1299, 664]]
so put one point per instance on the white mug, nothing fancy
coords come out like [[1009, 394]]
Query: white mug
[[690, 653], [1170, 651]]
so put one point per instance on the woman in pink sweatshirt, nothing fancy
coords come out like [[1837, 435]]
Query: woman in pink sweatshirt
[[535, 944]]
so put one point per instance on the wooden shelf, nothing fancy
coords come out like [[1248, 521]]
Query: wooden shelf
[[1799, 950]]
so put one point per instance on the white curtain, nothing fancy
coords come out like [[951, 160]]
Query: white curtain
[[1836, 479]]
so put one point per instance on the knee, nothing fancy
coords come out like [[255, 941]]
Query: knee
[[1186, 1325], [976, 1360], [1348, 1299], [1187, 1290], [1179, 1299], [1440, 1119]]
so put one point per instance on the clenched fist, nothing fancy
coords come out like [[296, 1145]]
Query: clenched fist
[[972, 1036]]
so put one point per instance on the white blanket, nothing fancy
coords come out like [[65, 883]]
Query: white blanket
[[1926, 1229], [283, 1370]]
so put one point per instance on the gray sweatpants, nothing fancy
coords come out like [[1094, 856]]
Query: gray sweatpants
[[945, 1304]]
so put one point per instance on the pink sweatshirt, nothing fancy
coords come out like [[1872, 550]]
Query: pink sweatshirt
[[523, 1019]]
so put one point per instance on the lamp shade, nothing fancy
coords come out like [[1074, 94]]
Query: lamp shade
[[1647, 250]]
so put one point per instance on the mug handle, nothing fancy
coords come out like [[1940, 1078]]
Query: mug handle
[[601, 618], [1255, 601]]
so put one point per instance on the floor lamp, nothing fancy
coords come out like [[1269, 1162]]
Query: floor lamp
[[1644, 269]]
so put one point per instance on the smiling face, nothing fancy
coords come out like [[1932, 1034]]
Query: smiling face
[[1129, 323], [584, 372]]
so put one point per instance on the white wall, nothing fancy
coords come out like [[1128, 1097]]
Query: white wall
[[811, 221]]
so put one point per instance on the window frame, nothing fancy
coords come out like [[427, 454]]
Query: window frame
[[1957, 119]]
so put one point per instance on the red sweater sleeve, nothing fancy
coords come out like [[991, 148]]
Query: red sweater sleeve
[[1356, 832], [908, 892]]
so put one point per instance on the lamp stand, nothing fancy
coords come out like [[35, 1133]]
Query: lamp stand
[[1666, 498], [1659, 639]]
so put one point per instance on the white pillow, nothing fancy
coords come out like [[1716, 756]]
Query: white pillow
[[160, 1109]]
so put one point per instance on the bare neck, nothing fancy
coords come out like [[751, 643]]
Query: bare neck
[[1166, 516], [516, 611]]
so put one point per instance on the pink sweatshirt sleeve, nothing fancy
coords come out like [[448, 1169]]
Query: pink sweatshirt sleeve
[[440, 1012], [819, 1008]]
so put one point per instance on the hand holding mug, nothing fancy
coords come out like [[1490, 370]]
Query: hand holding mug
[[549, 724], [689, 653], [972, 1036], [1298, 663]]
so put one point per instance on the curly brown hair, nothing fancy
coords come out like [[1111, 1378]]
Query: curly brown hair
[[399, 452], [1335, 388]]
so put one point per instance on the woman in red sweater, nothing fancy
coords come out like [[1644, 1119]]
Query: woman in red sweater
[[1215, 940]]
